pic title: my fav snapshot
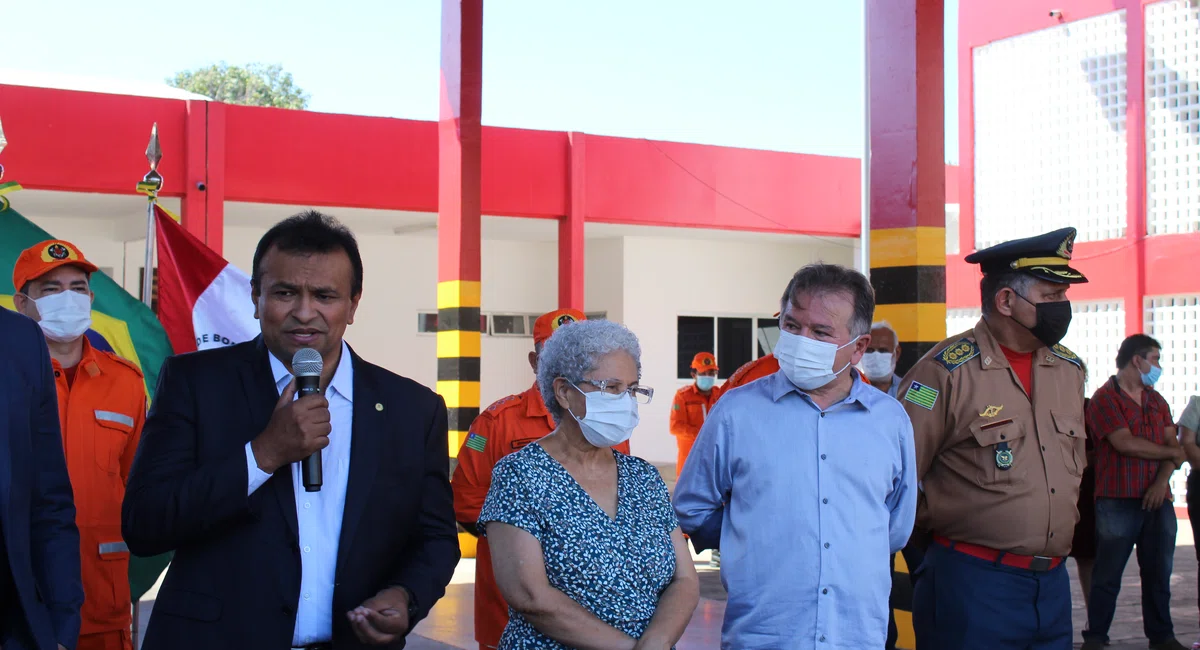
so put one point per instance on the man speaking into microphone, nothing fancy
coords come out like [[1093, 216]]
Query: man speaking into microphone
[[311, 521]]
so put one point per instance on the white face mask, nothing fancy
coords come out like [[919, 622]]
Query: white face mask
[[878, 365], [65, 316], [610, 419], [808, 363]]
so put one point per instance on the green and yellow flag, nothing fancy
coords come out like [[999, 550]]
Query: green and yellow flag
[[120, 323]]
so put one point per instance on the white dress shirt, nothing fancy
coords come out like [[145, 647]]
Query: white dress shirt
[[318, 514]]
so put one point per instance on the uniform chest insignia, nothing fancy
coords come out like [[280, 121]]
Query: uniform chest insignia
[[1004, 456], [991, 411], [1062, 353], [956, 354]]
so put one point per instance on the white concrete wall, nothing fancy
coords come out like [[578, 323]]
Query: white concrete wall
[[667, 278], [604, 281]]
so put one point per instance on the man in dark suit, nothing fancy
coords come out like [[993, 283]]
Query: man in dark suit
[[261, 563], [41, 591]]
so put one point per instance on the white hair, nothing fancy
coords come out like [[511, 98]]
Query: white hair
[[575, 350], [884, 325]]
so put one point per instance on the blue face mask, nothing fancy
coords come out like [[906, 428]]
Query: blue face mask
[[1149, 378], [705, 383]]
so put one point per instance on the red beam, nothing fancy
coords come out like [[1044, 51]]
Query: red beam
[[571, 244], [907, 99], [650, 183], [1134, 284], [459, 141], [214, 234], [194, 214], [89, 142], [92, 142]]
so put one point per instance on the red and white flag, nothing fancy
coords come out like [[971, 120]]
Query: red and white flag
[[203, 300]]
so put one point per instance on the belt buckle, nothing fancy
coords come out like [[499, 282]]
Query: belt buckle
[[1040, 563]]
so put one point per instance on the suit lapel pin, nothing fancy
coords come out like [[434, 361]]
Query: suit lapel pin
[[378, 406]]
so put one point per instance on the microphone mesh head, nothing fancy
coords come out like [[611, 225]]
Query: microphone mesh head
[[307, 363]]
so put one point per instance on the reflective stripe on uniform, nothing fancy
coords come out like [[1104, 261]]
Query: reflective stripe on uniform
[[111, 416], [113, 547]]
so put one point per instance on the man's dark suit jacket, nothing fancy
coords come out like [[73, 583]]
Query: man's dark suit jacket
[[235, 578], [37, 508]]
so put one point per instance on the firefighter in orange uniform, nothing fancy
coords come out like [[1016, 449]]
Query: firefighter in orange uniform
[[692, 405], [101, 407], [505, 427]]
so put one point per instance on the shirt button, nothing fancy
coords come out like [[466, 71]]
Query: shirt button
[[1051, 535], [822, 456], [824, 500], [308, 549], [307, 505], [57, 373], [826, 544], [306, 596], [1051, 490], [822, 639], [825, 591], [822, 414], [1043, 447]]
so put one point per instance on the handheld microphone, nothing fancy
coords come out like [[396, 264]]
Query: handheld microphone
[[306, 367]]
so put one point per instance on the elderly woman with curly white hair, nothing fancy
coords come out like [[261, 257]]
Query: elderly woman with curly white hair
[[585, 545]]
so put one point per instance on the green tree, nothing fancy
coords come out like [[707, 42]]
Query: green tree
[[255, 84]]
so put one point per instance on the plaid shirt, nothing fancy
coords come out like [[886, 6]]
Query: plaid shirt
[[1110, 409]]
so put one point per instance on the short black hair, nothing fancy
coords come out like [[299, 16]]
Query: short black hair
[[832, 278], [1138, 345], [993, 283], [309, 232]]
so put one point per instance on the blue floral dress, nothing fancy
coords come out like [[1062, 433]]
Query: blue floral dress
[[616, 568]]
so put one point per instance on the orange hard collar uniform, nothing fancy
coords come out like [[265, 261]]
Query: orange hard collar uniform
[[757, 369], [690, 409], [688, 413], [505, 427], [101, 407]]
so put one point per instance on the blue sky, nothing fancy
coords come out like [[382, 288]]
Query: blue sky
[[769, 74]]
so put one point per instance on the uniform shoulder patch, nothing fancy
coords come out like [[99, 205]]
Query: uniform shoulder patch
[[957, 353], [475, 442], [1063, 353], [503, 403], [125, 362]]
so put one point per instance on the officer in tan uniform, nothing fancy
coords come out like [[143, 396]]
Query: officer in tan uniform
[[997, 413]]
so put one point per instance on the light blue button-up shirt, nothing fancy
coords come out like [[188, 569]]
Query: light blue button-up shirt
[[318, 514], [808, 505]]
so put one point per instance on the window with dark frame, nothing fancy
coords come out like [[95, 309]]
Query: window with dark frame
[[695, 334]]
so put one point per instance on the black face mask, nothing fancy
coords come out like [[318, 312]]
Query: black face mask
[[1052, 320]]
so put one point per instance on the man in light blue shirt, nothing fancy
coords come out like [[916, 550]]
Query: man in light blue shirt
[[810, 456]]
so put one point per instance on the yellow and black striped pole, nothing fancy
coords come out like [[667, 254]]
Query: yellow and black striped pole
[[458, 343], [908, 271]]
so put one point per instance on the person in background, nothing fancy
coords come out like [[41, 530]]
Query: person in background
[[998, 416], [101, 408], [585, 547], [692, 405], [879, 361], [1083, 542], [40, 589], [1189, 425], [813, 460], [1137, 450], [505, 427]]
